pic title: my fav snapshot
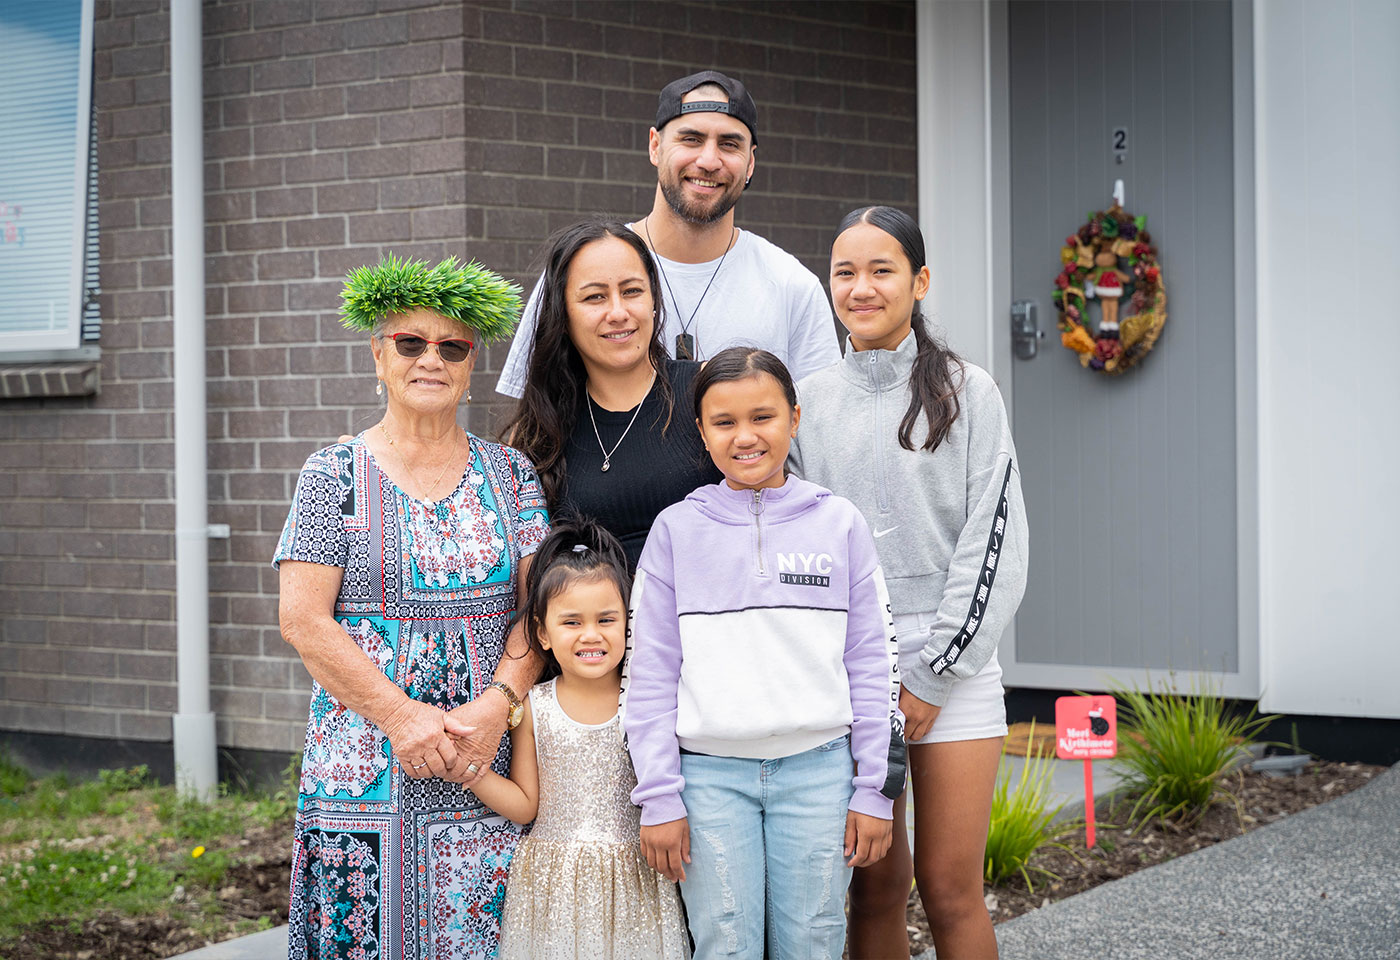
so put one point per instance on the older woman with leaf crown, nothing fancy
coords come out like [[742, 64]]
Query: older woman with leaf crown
[[401, 564]]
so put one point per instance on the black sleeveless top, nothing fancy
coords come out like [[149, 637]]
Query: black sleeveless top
[[647, 473]]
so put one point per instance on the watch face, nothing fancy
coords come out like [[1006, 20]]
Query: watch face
[[517, 713]]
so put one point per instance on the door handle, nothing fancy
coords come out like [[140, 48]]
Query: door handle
[[1025, 329]]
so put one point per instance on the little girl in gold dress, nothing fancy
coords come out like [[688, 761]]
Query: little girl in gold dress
[[579, 887]]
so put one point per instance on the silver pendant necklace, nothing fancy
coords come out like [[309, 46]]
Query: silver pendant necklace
[[607, 454]]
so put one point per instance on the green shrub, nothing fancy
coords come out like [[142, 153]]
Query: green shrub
[[124, 780], [270, 810], [56, 798], [52, 808], [1176, 749], [14, 779], [189, 818], [206, 870], [1023, 821]]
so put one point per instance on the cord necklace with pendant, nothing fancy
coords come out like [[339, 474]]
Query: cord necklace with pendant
[[685, 343]]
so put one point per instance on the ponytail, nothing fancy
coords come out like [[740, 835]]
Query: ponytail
[[577, 549], [931, 388]]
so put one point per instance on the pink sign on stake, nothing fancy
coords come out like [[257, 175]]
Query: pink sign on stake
[[1086, 728]]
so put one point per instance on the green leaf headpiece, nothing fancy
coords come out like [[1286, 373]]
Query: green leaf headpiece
[[472, 295]]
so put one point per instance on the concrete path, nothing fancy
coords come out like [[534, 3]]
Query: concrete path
[[1323, 884], [268, 945]]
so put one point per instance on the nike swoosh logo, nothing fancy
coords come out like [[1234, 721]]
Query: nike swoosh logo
[[881, 533]]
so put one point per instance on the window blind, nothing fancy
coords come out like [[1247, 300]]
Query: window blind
[[45, 127]]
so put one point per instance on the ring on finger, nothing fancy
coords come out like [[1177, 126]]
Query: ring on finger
[[472, 768], [419, 766]]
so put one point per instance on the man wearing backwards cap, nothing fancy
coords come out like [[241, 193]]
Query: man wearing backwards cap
[[722, 286]]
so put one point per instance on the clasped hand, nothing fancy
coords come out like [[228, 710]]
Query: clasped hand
[[457, 745], [483, 723]]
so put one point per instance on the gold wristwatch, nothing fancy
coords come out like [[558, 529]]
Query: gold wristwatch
[[517, 709]]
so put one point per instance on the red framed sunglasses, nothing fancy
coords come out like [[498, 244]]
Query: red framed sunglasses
[[452, 351]]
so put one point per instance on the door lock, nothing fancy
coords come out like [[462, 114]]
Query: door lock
[[1025, 329]]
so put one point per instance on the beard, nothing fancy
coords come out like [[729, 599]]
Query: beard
[[673, 189]]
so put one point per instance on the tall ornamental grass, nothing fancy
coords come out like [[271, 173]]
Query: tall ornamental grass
[[1023, 819], [1176, 750]]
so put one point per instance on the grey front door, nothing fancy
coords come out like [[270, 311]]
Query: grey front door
[[1129, 481]]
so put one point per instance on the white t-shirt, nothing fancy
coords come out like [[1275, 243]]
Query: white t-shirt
[[762, 296]]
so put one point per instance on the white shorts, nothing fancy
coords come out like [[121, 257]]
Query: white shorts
[[976, 707]]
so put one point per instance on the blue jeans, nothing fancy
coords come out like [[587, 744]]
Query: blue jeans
[[766, 841]]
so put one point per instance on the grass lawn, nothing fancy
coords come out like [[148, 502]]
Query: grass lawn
[[74, 851]]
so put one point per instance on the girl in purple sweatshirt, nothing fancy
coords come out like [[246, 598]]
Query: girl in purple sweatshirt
[[761, 688]]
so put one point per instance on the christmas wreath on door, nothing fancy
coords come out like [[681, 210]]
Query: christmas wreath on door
[[1110, 259]]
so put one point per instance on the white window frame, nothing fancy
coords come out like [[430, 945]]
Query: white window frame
[[67, 343]]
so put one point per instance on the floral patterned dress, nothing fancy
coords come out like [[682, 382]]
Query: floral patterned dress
[[386, 867]]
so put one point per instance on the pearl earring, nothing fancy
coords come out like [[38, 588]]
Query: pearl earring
[[379, 389]]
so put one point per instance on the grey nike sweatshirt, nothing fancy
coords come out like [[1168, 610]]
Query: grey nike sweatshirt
[[949, 526]]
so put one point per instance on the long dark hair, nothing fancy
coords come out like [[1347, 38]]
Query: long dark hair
[[555, 382], [578, 549], [739, 363], [932, 389]]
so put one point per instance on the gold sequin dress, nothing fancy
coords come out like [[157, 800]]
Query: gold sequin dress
[[579, 887]]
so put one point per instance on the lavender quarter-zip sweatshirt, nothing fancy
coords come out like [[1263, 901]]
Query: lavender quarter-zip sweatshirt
[[761, 628]]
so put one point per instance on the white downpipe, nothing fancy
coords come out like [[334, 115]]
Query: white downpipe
[[926, 117], [196, 759], [954, 169]]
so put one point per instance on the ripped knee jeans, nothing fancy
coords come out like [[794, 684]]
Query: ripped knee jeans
[[766, 860]]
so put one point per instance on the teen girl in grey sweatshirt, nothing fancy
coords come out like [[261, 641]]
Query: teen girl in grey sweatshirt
[[919, 440]]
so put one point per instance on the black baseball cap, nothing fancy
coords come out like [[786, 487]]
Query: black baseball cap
[[740, 105]]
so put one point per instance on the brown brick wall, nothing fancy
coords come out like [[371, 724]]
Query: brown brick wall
[[337, 130]]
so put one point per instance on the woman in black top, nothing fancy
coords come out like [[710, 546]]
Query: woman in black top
[[599, 417]]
